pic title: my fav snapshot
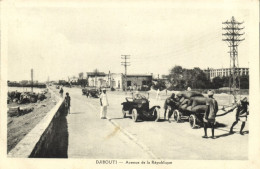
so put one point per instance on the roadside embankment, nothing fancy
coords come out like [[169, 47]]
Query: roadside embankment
[[49, 136]]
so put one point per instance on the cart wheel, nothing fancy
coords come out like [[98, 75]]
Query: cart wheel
[[124, 113], [156, 114], [177, 116], [134, 115], [192, 120]]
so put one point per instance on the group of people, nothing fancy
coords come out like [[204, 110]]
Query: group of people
[[209, 118]]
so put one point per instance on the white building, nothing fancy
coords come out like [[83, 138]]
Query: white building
[[212, 73]]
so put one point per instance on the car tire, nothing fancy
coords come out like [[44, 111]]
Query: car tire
[[156, 113], [135, 115], [177, 115], [124, 113], [192, 121]]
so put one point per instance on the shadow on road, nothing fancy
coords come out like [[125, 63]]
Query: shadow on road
[[77, 113], [220, 125]]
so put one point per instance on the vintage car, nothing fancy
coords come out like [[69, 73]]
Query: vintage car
[[138, 107], [90, 92]]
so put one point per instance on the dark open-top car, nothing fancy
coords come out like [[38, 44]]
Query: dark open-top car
[[90, 92], [138, 107]]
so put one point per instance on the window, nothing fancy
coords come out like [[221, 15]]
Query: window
[[129, 83]]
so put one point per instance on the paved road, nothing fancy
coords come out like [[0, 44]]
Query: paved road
[[92, 137]]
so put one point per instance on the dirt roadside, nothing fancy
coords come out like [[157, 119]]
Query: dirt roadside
[[19, 127]]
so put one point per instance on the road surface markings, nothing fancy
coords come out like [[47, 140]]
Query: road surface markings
[[128, 135]]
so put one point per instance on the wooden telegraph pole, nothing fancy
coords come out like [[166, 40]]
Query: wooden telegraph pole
[[125, 64]]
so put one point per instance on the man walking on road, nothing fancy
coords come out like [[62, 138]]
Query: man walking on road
[[104, 104], [67, 102], [210, 114], [61, 92], [241, 115], [169, 105]]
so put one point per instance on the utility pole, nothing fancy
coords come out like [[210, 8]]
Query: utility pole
[[109, 79], [233, 38], [125, 64], [32, 79]]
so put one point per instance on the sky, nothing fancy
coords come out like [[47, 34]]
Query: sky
[[60, 40]]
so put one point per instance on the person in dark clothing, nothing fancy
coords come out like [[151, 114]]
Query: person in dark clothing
[[67, 102], [61, 92], [169, 104], [241, 115], [210, 114]]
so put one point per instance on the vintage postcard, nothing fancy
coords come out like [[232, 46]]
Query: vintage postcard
[[124, 84]]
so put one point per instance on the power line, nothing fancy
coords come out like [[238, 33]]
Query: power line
[[233, 38], [125, 64]]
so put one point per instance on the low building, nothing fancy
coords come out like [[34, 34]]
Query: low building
[[115, 80], [97, 79], [212, 73], [73, 79], [136, 81]]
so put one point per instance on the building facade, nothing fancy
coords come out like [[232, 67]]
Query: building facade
[[212, 73], [97, 79], [117, 80], [136, 81]]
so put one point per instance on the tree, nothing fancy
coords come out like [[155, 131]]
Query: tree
[[244, 82], [176, 77], [181, 79]]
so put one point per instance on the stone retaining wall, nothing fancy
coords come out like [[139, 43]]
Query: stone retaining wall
[[48, 139]]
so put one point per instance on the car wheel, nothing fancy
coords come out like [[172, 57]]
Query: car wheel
[[192, 121], [124, 113], [177, 116], [134, 115], [156, 114]]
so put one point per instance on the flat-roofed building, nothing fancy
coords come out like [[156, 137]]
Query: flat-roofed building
[[212, 73]]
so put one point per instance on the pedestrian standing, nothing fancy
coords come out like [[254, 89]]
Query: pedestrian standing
[[61, 92], [87, 93], [241, 115], [67, 102], [158, 94], [103, 104], [210, 114]]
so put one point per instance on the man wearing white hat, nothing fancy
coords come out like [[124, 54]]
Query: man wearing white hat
[[104, 104], [210, 114]]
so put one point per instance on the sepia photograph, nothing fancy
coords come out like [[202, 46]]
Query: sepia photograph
[[128, 82]]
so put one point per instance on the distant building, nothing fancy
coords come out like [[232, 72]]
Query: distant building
[[73, 79], [212, 73], [136, 81], [117, 80], [97, 79]]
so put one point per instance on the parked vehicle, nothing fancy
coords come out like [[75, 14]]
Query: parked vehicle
[[90, 92], [138, 108]]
